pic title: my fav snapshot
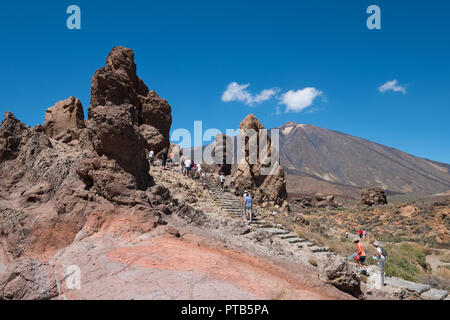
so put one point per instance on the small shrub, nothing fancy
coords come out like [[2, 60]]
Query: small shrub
[[313, 261]]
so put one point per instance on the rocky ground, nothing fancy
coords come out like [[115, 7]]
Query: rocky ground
[[83, 216]]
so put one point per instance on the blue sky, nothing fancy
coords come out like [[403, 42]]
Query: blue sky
[[190, 51]]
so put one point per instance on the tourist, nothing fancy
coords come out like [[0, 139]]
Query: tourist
[[150, 157], [361, 234], [187, 167], [244, 216], [164, 153], [172, 159], [248, 206], [199, 171], [222, 181], [360, 256], [381, 259]]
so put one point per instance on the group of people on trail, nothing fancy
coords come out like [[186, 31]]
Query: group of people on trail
[[360, 255], [190, 169], [165, 157]]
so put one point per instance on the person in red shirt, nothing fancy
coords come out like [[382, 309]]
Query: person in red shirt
[[360, 253]]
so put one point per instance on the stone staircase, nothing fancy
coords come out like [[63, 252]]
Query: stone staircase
[[233, 206]]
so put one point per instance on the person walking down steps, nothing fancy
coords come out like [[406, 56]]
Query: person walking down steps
[[222, 181], [164, 155], [150, 157], [248, 202]]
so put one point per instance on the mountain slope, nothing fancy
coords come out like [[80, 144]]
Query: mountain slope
[[314, 157]]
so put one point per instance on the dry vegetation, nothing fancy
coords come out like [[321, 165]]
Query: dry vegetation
[[408, 230]]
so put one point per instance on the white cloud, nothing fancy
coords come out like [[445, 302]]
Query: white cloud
[[237, 92], [392, 86], [298, 100]]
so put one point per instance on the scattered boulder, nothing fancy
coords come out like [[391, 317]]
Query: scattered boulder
[[339, 272], [304, 202], [64, 120], [373, 197]]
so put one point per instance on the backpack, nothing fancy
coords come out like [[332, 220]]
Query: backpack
[[383, 252]]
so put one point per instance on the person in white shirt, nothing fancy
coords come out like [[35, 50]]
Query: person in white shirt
[[187, 165], [199, 170], [381, 259], [150, 156], [222, 181]]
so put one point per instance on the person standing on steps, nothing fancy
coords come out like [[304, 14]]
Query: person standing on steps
[[222, 181], [164, 153], [187, 167], [150, 157], [360, 256], [244, 215], [381, 259], [248, 207], [199, 171]]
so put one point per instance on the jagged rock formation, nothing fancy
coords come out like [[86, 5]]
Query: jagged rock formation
[[116, 84], [249, 176], [373, 197], [64, 120], [223, 148], [53, 193], [340, 273]]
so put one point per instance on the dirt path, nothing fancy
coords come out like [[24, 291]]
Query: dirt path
[[434, 262]]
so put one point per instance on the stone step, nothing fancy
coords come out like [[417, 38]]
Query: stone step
[[306, 244], [411, 286], [319, 249], [288, 236], [276, 231], [434, 294], [295, 240]]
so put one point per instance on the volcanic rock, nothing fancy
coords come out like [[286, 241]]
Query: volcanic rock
[[223, 153], [55, 193], [116, 84], [373, 197], [28, 279], [340, 273], [64, 120], [249, 175]]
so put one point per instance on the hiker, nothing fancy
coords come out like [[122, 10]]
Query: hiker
[[199, 171], [222, 181], [182, 160], [150, 157], [360, 256], [361, 234], [172, 159], [233, 181], [381, 259], [248, 201], [244, 216], [187, 167], [164, 157]]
